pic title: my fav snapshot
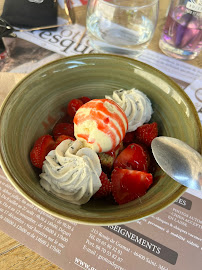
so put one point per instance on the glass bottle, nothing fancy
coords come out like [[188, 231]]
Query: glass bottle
[[182, 34]]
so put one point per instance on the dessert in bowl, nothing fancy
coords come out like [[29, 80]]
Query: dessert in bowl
[[34, 106], [89, 154]]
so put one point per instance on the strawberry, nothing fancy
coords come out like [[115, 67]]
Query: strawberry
[[62, 138], [63, 129], [129, 138], [134, 157], [106, 187], [73, 106], [42, 147], [146, 133], [85, 99], [128, 185], [65, 119]]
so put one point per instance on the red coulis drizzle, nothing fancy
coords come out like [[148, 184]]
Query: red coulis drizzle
[[97, 112]]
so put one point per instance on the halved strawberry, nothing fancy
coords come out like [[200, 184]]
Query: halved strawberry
[[63, 129], [73, 106], [146, 133], [129, 138], [85, 99], [134, 157], [128, 185], [61, 138], [106, 187], [42, 147]]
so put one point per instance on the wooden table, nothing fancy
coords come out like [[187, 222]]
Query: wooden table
[[14, 255]]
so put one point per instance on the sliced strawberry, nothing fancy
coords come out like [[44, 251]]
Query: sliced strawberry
[[129, 138], [63, 129], [106, 187], [85, 99], [134, 157], [61, 138], [41, 148], [146, 133], [73, 106], [65, 119], [128, 185]]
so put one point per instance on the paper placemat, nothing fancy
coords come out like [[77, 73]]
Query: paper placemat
[[169, 240], [172, 239]]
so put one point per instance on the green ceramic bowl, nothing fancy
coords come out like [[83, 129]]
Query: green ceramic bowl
[[37, 102]]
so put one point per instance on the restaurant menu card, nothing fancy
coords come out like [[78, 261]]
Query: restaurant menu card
[[171, 239]]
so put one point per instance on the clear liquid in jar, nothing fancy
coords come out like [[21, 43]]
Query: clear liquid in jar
[[107, 36]]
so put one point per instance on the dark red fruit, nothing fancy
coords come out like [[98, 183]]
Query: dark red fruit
[[42, 147], [61, 138], [63, 129], [133, 157], [128, 185], [73, 106], [146, 133], [85, 99]]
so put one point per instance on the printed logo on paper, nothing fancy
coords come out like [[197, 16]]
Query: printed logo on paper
[[194, 5], [198, 94]]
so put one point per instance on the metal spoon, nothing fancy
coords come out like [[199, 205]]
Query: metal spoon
[[179, 161]]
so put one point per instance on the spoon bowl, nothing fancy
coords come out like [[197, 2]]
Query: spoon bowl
[[181, 162]]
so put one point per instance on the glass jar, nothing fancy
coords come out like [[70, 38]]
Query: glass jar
[[182, 34]]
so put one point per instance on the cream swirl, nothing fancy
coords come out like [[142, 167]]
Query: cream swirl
[[71, 172], [136, 106]]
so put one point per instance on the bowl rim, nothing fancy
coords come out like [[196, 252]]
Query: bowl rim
[[83, 220]]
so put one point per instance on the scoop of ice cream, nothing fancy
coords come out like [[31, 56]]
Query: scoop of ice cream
[[136, 106], [71, 172], [101, 124]]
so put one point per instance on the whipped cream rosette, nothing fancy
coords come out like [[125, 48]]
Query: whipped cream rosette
[[136, 106], [71, 172]]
